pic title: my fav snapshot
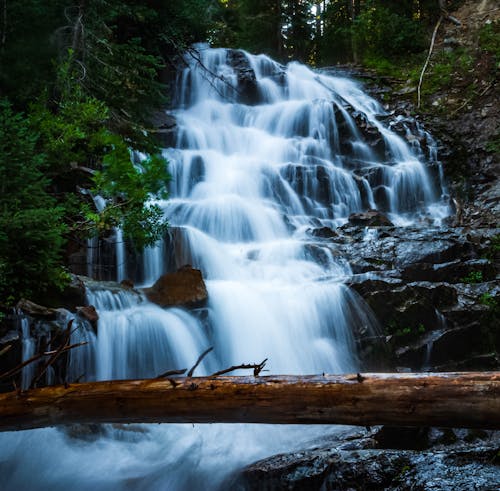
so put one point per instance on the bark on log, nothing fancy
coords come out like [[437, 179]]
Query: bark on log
[[442, 399]]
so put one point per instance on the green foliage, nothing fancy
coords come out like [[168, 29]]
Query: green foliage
[[404, 331], [127, 189], [381, 31], [446, 68], [77, 136], [336, 43], [473, 277], [489, 39], [297, 30], [28, 48], [254, 18], [488, 300], [493, 144], [31, 229]]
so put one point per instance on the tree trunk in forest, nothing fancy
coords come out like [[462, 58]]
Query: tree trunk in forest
[[353, 6], [443, 399]]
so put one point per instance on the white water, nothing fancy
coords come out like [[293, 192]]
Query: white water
[[248, 182], [28, 350]]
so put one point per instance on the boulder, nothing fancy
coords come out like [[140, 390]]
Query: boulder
[[90, 314], [370, 218], [184, 288], [34, 310], [323, 232]]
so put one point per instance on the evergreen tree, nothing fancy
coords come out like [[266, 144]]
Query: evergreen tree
[[31, 228]]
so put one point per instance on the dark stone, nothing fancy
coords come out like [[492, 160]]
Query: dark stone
[[72, 296], [248, 91], [457, 271], [34, 310], [370, 218], [323, 233], [184, 288], [402, 437], [127, 284], [470, 462], [90, 314]]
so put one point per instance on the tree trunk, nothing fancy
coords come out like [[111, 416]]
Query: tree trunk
[[444, 399]]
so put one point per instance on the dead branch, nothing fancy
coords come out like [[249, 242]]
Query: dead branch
[[257, 368], [169, 373], [428, 59], [6, 349], [198, 361], [194, 54], [488, 87], [18, 368], [55, 355]]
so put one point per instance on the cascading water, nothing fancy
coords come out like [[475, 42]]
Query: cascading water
[[263, 155]]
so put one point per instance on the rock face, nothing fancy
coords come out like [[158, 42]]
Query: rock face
[[434, 292], [454, 460], [184, 288]]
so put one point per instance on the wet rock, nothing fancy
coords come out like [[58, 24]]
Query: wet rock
[[456, 460], [34, 310], [370, 218], [72, 296], [452, 272], [248, 91], [127, 284], [184, 288], [323, 233], [10, 353], [402, 437], [429, 292], [90, 314]]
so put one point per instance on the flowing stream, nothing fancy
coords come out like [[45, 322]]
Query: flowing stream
[[263, 154]]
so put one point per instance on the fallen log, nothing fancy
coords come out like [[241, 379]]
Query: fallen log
[[470, 400]]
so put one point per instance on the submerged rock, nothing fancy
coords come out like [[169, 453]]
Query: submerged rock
[[184, 288]]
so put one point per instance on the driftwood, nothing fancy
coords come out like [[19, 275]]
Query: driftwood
[[442, 399]]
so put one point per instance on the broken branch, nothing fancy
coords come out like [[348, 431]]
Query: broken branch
[[198, 361], [257, 368]]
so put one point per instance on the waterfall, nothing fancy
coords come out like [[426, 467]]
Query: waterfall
[[28, 350], [264, 154]]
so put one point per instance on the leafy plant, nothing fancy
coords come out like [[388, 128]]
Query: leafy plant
[[473, 277], [489, 300]]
